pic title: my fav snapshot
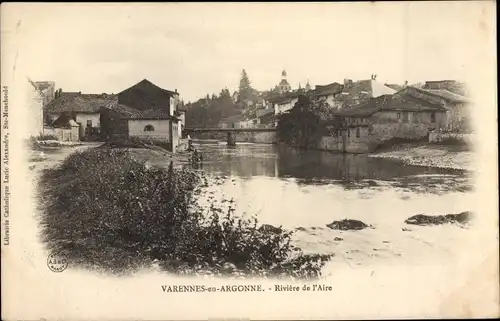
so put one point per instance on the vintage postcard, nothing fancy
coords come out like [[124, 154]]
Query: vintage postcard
[[257, 161]]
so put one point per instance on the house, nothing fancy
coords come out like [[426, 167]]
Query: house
[[356, 92], [181, 114], [34, 121], [120, 120], [266, 116], [40, 93], [328, 94], [64, 128], [145, 96], [284, 103], [450, 85], [367, 125], [155, 125], [457, 106], [84, 109]]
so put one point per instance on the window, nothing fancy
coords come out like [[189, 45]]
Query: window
[[399, 115], [149, 128], [89, 122], [433, 117], [405, 117], [348, 132], [357, 132], [370, 130]]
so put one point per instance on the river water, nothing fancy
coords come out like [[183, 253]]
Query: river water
[[305, 190]]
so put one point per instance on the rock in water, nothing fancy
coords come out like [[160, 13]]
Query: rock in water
[[347, 224], [422, 219], [270, 228]]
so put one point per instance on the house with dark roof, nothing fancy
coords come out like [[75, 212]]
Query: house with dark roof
[[456, 105], [84, 109], [357, 92], [122, 121], [367, 125], [145, 95], [449, 85], [328, 94]]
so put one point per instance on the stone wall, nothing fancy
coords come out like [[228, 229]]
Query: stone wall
[[63, 134]]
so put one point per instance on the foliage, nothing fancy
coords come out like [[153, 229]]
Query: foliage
[[301, 126], [245, 90], [108, 211], [208, 112], [43, 137]]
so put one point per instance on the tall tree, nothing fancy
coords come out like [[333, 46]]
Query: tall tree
[[300, 127], [245, 88]]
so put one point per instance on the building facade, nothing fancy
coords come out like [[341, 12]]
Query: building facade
[[368, 125]]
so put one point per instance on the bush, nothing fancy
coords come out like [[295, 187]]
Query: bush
[[110, 212], [300, 127], [47, 137]]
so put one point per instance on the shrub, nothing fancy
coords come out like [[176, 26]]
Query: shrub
[[300, 127], [110, 212], [47, 137]]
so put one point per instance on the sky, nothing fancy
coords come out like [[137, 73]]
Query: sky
[[200, 48]]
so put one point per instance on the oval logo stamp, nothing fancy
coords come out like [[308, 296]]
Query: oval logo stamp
[[57, 262]]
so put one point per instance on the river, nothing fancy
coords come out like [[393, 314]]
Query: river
[[305, 190]]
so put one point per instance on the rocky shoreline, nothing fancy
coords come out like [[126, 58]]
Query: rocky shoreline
[[439, 156]]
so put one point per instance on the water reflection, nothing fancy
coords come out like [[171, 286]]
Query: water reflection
[[320, 167]]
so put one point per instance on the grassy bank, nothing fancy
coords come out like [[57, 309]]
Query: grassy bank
[[111, 212]]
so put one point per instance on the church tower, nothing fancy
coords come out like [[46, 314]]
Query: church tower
[[284, 86], [308, 86]]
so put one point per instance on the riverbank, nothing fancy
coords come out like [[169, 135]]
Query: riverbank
[[431, 155]]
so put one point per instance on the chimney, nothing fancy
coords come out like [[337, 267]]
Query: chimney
[[79, 93], [176, 90]]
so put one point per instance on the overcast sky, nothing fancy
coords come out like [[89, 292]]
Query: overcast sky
[[202, 48]]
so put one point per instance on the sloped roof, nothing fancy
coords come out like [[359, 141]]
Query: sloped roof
[[127, 112], [453, 86], [263, 112], [447, 95], [150, 114], [330, 89], [394, 86], [146, 83], [390, 103], [76, 102], [285, 98], [370, 86]]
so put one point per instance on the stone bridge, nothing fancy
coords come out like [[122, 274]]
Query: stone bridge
[[234, 135]]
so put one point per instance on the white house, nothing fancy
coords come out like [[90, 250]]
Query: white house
[[34, 124], [154, 125], [284, 105]]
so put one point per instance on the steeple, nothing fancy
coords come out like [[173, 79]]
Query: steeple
[[308, 86], [283, 74]]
